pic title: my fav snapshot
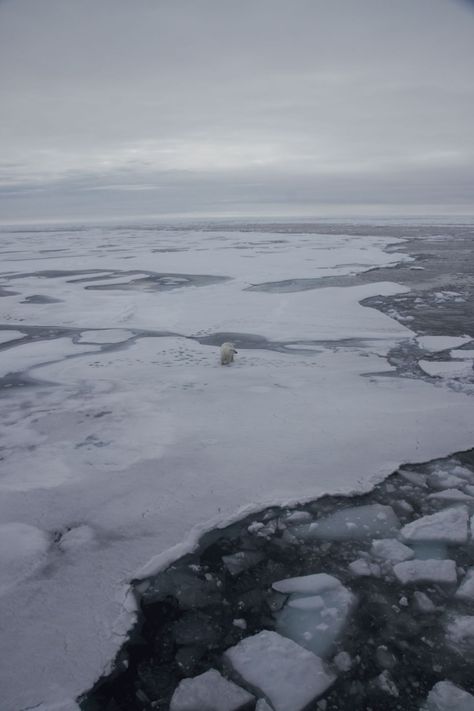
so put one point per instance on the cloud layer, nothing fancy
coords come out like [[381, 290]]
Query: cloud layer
[[217, 107]]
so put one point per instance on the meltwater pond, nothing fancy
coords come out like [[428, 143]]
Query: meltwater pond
[[378, 590]]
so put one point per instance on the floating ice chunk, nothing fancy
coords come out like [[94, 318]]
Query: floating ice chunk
[[451, 495], [343, 661], [263, 706], [289, 676], [426, 571], [106, 335], [423, 603], [307, 584], [434, 344], [413, 477], [447, 526], [392, 550], [210, 692], [447, 368], [22, 551], [466, 589], [240, 623], [243, 560], [298, 517], [77, 538], [445, 696], [444, 480], [462, 355], [356, 522], [463, 473], [364, 568], [460, 633], [386, 684], [316, 620]]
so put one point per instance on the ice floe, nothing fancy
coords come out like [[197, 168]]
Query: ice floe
[[446, 696], [447, 368], [23, 550], [316, 611], [289, 676], [210, 692], [466, 589], [355, 523], [436, 344], [426, 571], [447, 526]]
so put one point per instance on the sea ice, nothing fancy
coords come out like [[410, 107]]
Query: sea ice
[[289, 676], [77, 538], [353, 523], [460, 634], [466, 589], [434, 344], [390, 549], [426, 571], [316, 611], [451, 495], [10, 335], [462, 355], [210, 692], [447, 368], [446, 526], [413, 477], [362, 567], [442, 479], [262, 705], [423, 603], [105, 336], [446, 696], [242, 560], [23, 550]]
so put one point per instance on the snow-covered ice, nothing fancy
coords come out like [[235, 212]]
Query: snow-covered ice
[[446, 526], [435, 344], [460, 634], [23, 550], [150, 443], [466, 589], [210, 692], [446, 696], [448, 368], [289, 676]]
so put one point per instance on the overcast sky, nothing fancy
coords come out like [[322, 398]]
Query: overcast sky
[[238, 107]]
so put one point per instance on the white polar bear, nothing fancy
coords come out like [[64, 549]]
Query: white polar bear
[[227, 353]]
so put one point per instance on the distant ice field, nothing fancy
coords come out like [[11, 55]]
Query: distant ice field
[[123, 435]]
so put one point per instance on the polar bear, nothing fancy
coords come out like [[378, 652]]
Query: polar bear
[[227, 353]]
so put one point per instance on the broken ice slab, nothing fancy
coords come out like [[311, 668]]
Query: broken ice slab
[[451, 495], [316, 611], [210, 692], [446, 526], [391, 550], [460, 634], [423, 603], [262, 705], [413, 477], [190, 591], [287, 675], [445, 696], [363, 568], [444, 480], [466, 589], [426, 571], [353, 523], [243, 560]]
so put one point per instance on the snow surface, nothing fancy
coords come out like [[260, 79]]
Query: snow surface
[[391, 549], [289, 676], [152, 443], [9, 335], [210, 692], [446, 696], [22, 551]]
